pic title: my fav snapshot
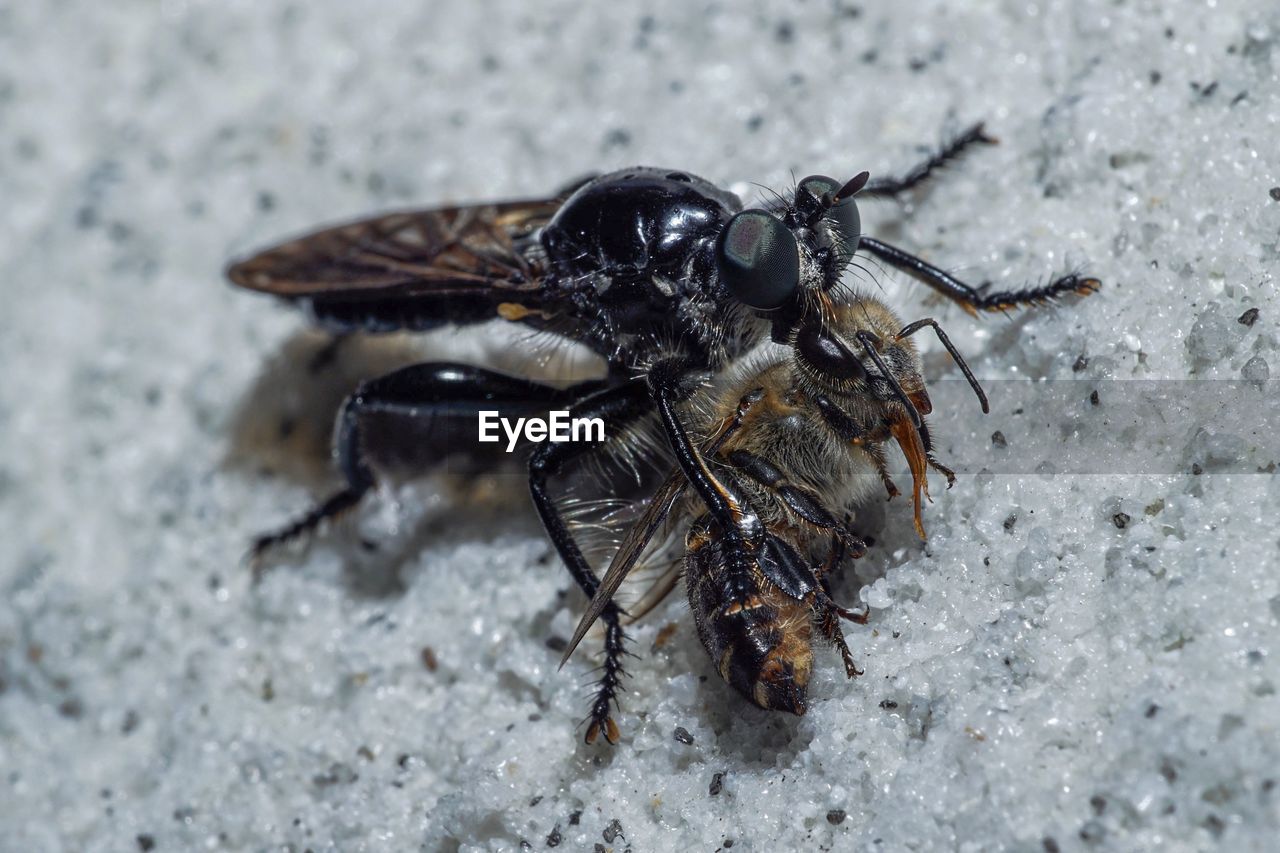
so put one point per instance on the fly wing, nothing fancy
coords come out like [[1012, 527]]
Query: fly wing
[[628, 554], [440, 251]]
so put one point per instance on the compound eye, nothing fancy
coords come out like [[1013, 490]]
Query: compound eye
[[815, 195], [813, 189], [847, 224], [758, 259]]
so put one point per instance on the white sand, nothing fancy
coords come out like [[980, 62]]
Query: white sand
[[1051, 683]]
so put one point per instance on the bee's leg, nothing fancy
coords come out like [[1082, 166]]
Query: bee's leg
[[891, 187], [782, 564], [969, 298], [847, 430], [927, 441], [941, 469], [800, 500], [828, 618], [619, 407], [834, 558], [876, 452], [427, 395], [830, 625]]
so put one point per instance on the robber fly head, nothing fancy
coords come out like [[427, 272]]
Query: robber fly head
[[779, 260]]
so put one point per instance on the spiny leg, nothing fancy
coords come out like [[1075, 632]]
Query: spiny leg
[[619, 407], [927, 440], [891, 187], [430, 393], [830, 625], [828, 619], [970, 298]]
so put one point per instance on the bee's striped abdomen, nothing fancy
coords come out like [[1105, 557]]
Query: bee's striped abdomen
[[758, 636]]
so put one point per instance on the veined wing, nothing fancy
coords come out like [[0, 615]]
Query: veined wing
[[628, 554], [435, 251]]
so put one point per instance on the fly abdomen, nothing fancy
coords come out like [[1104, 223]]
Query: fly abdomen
[[757, 635]]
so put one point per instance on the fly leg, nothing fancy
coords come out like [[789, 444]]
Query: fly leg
[[740, 526], [619, 407], [433, 397], [893, 187], [970, 298]]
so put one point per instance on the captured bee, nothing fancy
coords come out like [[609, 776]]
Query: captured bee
[[660, 273], [784, 445]]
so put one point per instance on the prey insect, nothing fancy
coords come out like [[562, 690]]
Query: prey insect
[[786, 443], [660, 273]]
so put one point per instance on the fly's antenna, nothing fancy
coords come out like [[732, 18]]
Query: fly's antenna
[[856, 183]]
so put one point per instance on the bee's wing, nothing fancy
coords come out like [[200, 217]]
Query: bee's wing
[[465, 251], [627, 555], [656, 592]]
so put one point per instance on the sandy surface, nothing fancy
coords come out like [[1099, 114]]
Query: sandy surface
[[1083, 655]]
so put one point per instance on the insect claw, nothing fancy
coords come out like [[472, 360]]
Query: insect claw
[[859, 618], [256, 559], [610, 729], [943, 470]]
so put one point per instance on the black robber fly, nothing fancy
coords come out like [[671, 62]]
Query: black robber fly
[[662, 274]]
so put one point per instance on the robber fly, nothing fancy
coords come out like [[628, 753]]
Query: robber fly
[[783, 446], [660, 273]]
